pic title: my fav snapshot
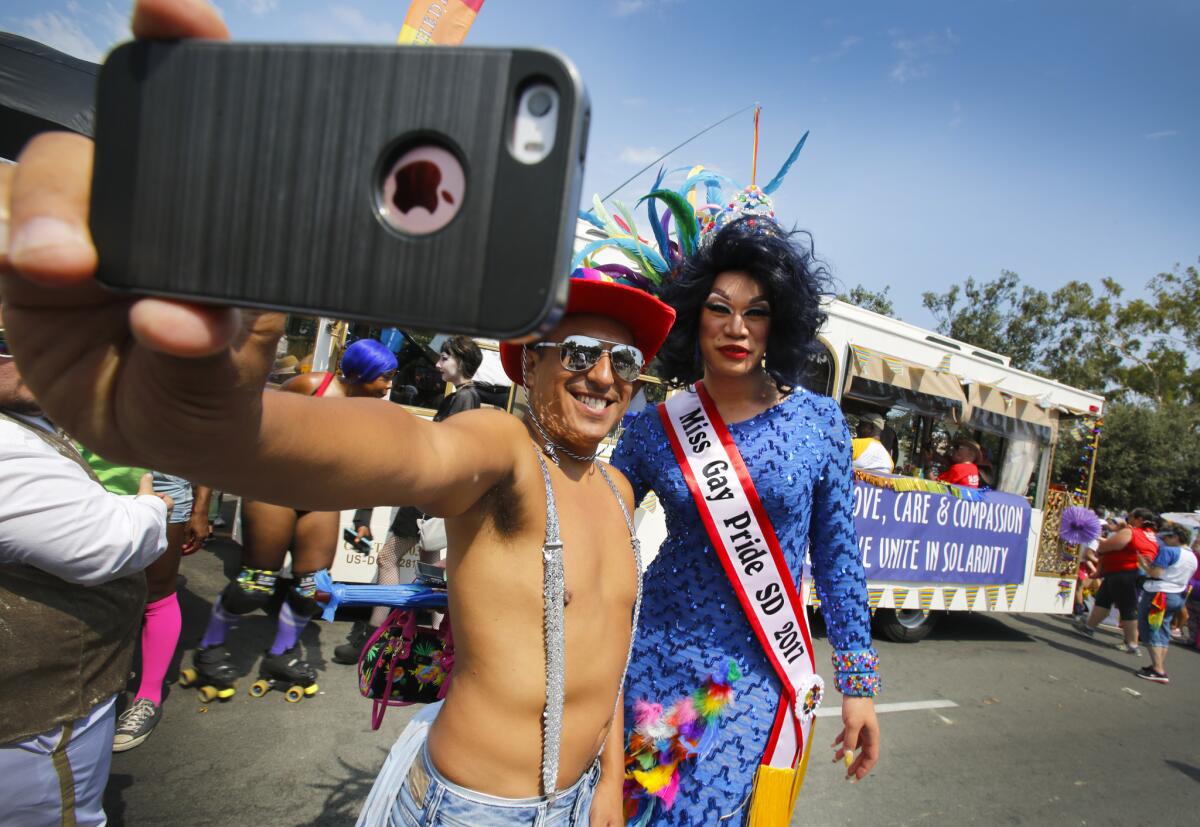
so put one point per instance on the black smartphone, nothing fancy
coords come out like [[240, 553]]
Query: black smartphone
[[431, 187], [351, 537], [430, 575]]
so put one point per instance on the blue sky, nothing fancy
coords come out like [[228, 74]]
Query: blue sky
[[1057, 139]]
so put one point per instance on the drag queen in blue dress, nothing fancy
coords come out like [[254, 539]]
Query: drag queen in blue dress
[[747, 300]]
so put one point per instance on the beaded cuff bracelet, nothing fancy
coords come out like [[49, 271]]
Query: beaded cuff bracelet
[[856, 685], [861, 660]]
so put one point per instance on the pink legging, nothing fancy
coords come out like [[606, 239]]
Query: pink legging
[[160, 636]]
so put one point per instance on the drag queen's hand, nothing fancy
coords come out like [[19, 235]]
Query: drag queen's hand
[[860, 731], [107, 368]]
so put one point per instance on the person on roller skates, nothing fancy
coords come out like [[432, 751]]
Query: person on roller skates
[[269, 531]]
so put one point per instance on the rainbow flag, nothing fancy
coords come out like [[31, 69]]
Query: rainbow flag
[[438, 22], [1158, 609]]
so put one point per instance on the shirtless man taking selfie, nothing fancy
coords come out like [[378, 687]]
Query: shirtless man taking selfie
[[179, 387]]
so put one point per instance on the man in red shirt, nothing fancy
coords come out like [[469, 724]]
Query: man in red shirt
[[963, 470], [1119, 554]]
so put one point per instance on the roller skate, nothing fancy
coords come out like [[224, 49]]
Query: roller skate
[[296, 678], [211, 673]]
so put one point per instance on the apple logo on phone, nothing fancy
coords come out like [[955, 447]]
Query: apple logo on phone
[[423, 190]]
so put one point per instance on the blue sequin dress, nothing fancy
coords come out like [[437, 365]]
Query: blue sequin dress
[[798, 453]]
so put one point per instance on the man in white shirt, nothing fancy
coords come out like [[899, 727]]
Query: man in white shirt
[[869, 453], [1163, 593], [72, 588]]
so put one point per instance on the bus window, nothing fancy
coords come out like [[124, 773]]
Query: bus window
[[818, 376]]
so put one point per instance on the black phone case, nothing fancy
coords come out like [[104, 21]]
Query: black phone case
[[246, 174]]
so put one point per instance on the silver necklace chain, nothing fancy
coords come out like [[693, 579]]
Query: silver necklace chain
[[551, 448]]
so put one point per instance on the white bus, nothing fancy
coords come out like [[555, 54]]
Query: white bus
[[931, 388]]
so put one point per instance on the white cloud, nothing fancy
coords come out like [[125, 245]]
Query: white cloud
[[846, 44], [259, 8], [639, 155], [83, 33], [916, 53], [1158, 136], [625, 8]]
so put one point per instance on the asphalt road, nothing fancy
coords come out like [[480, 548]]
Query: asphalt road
[[1046, 728]]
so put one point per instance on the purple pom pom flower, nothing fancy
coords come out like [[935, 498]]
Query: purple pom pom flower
[[1079, 525]]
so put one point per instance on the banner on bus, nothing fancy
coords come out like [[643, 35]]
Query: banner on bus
[[924, 537]]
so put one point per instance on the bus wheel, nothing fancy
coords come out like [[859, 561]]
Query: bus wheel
[[905, 625]]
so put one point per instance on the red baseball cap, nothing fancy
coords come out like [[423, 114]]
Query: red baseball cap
[[648, 319]]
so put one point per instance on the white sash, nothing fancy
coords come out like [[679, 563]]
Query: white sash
[[745, 542]]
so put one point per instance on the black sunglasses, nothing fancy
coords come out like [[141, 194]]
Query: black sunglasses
[[579, 353]]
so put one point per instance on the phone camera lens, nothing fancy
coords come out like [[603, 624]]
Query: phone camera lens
[[539, 103]]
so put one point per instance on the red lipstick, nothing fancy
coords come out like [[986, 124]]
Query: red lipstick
[[734, 352]]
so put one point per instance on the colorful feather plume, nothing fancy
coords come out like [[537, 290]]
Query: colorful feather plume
[[774, 183], [631, 248], [666, 743], [686, 229]]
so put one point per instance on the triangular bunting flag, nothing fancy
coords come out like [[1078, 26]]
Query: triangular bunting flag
[[1010, 592], [944, 365], [898, 597], [926, 598], [1008, 400], [873, 597], [948, 597], [894, 366], [972, 591], [993, 597], [862, 356]]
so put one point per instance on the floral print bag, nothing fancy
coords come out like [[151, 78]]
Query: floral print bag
[[405, 663]]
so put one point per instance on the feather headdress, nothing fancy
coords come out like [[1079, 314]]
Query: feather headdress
[[704, 202]]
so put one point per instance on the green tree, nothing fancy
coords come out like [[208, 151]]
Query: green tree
[[1128, 349], [1140, 352], [868, 299], [1149, 456], [1001, 315]]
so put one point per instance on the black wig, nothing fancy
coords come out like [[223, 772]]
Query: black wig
[[791, 277]]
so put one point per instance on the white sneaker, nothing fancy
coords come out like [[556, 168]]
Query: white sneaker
[[1130, 649], [136, 724]]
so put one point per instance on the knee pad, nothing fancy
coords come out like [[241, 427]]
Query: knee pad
[[302, 596], [251, 591]]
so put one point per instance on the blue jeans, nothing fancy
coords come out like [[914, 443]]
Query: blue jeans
[[429, 799], [180, 492], [1160, 637]]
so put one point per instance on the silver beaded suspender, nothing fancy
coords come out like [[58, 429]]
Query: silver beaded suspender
[[552, 612], [637, 603], [552, 595]]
